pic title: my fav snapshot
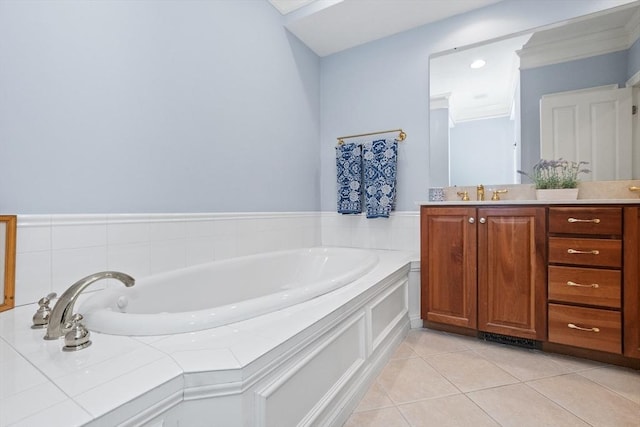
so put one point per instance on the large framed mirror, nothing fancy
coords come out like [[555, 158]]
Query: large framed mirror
[[7, 261], [490, 118]]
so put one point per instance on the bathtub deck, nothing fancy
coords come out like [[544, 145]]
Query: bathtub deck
[[130, 380]]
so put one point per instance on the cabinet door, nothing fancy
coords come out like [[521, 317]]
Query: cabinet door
[[512, 271], [448, 266], [631, 287]]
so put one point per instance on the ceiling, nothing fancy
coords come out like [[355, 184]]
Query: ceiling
[[472, 94], [330, 26]]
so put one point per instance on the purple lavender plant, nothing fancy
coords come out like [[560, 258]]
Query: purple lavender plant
[[551, 174]]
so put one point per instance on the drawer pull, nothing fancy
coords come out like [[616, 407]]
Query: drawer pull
[[593, 285], [575, 251], [572, 326], [595, 220]]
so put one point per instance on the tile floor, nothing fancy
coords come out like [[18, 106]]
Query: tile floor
[[440, 379]]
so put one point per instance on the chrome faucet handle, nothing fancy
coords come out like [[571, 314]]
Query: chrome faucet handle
[[42, 315], [77, 336]]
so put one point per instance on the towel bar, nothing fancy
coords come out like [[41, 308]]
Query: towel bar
[[401, 135]]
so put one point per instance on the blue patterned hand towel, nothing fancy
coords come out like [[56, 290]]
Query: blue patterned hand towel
[[380, 167], [349, 164]]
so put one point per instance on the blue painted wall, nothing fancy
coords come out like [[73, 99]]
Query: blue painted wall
[[384, 84], [482, 152], [186, 106], [439, 149], [633, 59], [155, 106]]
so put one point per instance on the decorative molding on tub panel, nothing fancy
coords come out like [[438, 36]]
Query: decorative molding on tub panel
[[54, 251], [319, 373], [414, 296], [386, 311], [147, 415], [144, 408], [262, 379]]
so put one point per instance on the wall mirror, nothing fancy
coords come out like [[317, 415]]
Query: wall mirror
[[485, 116], [7, 261]]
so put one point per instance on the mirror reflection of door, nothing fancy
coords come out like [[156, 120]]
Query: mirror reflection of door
[[600, 49], [592, 125]]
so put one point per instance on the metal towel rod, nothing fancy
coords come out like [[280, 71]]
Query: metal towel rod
[[401, 135]]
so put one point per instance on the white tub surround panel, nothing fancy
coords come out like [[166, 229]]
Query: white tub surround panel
[[54, 251], [242, 374]]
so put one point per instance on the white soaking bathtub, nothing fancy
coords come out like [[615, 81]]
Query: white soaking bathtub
[[222, 292]]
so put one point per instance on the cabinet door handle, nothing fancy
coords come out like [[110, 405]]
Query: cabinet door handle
[[575, 251], [594, 220], [472, 220], [482, 220], [593, 285], [572, 326]]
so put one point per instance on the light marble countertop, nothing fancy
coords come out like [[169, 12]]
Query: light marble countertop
[[589, 192], [532, 202]]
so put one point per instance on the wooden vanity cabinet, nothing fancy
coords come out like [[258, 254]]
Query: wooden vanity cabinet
[[585, 271], [448, 265], [484, 268], [631, 285], [511, 271]]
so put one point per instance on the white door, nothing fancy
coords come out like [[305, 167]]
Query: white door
[[589, 125]]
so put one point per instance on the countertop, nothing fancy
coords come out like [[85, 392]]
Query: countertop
[[532, 202]]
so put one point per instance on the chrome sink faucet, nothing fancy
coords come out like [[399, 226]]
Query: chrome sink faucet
[[63, 310]]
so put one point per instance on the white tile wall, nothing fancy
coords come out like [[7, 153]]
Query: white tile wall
[[401, 231], [54, 251]]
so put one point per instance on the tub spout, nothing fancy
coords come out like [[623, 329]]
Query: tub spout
[[63, 310]]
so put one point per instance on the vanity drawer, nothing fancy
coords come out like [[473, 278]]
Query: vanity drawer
[[585, 327], [584, 220], [589, 252], [585, 286]]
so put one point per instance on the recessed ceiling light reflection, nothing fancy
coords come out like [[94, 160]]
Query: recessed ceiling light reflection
[[478, 63]]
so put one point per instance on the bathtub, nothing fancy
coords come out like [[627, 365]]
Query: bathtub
[[222, 292]]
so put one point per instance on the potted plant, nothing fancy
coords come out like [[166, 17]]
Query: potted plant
[[556, 179]]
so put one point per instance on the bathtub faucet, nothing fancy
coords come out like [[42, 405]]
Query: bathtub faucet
[[63, 310]]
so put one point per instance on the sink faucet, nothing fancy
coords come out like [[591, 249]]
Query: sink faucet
[[63, 310], [480, 192]]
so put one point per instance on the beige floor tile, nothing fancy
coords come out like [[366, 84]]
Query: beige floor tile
[[450, 411], [590, 401], [522, 363], [625, 382], [519, 406], [404, 351], [376, 398], [469, 371], [388, 417], [574, 364], [425, 342], [408, 380]]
